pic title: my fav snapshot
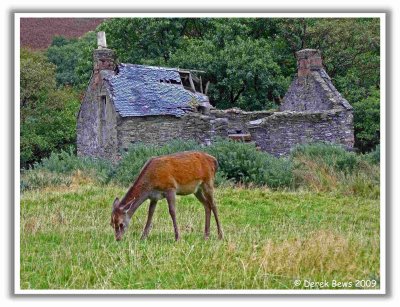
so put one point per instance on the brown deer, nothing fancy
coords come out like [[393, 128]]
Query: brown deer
[[165, 177]]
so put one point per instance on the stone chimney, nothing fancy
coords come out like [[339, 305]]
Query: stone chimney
[[312, 89], [103, 58], [308, 60], [101, 40]]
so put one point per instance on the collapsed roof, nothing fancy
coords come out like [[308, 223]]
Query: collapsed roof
[[139, 90]]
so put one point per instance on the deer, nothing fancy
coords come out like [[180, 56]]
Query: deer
[[184, 173]]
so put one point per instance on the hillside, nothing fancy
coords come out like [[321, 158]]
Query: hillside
[[37, 33]]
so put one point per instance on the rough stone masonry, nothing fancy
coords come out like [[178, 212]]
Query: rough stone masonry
[[126, 104], [312, 110]]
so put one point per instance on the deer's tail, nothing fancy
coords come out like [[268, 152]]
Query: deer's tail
[[215, 162]]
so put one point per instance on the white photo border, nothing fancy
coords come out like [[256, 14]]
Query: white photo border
[[380, 291]]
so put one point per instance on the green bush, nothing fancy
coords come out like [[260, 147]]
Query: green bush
[[332, 155], [49, 125], [374, 156], [48, 114], [66, 162], [243, 163]]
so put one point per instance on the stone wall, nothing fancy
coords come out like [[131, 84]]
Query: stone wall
[[306, 94], [97, 125], [163, 129], [88, 125], [280, 132], [192, 126], [236, 120]]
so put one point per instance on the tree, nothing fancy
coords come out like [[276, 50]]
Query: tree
[[351, 51], [243, 73], [48, 116], [73, 59], [141, 39], [36, 76], [367, 121]]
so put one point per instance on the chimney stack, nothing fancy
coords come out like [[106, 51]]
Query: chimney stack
[[308, 60], [103, 58], [101, 40]]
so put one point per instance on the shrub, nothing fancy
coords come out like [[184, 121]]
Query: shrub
[[243, 163], [374, 156], [49, 125], [332, 155], [66, 162], [221, 180], [328, 167], [48, 114], [317, 167]]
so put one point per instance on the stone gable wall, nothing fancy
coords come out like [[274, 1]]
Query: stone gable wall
[[306, 94], [97, 125]]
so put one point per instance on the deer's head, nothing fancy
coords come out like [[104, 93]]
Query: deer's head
[[119, 219]]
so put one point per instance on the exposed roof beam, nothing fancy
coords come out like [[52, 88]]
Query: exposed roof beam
[[190, 70]]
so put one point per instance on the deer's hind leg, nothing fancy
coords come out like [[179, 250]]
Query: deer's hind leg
[[199, 195], [206, 193], [170, 195]]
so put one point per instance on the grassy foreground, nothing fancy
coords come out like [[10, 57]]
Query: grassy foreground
[[272, 238]]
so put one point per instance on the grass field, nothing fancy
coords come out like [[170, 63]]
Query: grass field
[[272, 238]]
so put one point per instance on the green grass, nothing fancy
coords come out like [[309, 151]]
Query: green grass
[[271, 239]]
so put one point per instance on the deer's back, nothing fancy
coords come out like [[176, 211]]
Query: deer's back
[[180, 170]]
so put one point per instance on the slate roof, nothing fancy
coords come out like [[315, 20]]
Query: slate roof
[[137, 90]]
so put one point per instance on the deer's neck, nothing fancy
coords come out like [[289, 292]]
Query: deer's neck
[[135, 196]]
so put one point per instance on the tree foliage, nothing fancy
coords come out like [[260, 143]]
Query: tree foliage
[[73, 59], [37, 76], [367, 121], [48, 118], [351, 54]]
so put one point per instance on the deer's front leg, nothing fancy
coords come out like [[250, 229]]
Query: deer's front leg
[[146, 230], [171, 206]]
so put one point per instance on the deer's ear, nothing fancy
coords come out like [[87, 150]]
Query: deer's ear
[[116, 202], [126, 207]]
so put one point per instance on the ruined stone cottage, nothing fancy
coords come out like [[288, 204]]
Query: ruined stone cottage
[[126, 104]]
